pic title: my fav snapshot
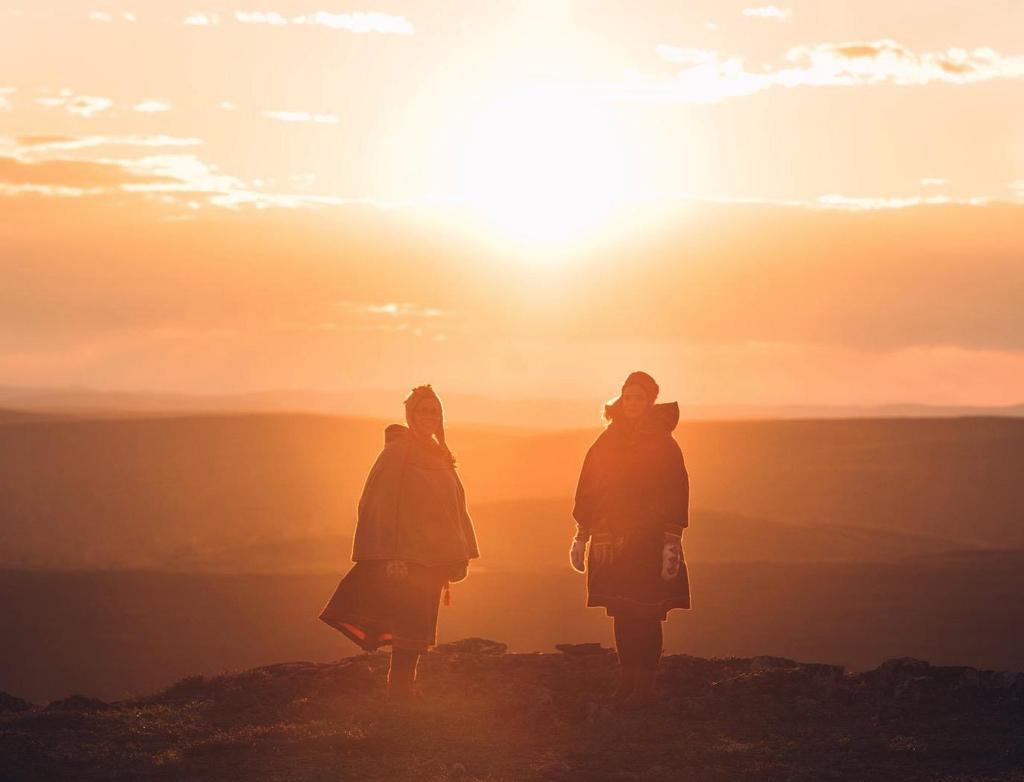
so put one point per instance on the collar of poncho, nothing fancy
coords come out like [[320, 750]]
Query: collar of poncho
[[660, 419], [422, 452]]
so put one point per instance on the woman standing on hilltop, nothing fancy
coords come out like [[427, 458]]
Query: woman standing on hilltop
[[413, 536], [632, 505]]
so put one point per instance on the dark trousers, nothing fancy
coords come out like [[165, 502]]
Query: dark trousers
[[638, 641]]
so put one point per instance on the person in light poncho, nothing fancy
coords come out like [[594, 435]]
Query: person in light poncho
[[413, 536]]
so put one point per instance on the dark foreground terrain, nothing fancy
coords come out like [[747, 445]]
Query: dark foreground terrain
[[488, 715]]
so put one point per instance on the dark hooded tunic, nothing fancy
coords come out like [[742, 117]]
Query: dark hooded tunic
[[634, 488], [413, 535]]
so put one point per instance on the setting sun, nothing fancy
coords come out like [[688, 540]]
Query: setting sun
[[543, 168]]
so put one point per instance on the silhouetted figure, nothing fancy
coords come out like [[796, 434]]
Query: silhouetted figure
[[413, 536], [632, 504]]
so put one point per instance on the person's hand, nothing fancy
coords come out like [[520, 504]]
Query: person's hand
[[671, 556], [457, 571], [577, 555]]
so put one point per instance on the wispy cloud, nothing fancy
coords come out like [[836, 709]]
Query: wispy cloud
[[932, 181], [186, 182], [4, 102], [40, 144], [357, 22], [301, 116], [171, 178], [710, 76], [87, 105], [179, 172], [151, 106], [90, 105], [361, 22], [394, 316], [108, 18], [260, 17], [889, 61], [202, 20], [837, 201], [74, 174], [80, 105], [47, 191], [768, 12], [403, 310]]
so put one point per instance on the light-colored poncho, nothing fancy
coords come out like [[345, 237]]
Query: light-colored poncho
[[413, 506]]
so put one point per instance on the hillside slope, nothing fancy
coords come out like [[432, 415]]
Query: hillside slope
[[147, 492]]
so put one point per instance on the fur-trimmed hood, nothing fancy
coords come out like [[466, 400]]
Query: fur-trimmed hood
[[661, 417]]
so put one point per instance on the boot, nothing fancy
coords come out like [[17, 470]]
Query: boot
[[401, 675]]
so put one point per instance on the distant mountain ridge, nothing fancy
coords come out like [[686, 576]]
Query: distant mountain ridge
[[543, 413], [100, 492]]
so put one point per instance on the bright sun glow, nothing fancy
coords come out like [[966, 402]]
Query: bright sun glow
[[543, 169]]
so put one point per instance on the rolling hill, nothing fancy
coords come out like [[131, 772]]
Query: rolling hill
[[148, 492]]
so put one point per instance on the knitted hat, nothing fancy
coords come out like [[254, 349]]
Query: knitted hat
[[613, 408], [646, 382]]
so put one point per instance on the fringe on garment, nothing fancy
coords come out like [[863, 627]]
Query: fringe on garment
[[604, 548]]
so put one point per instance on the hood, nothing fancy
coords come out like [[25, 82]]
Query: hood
[[395, 431], [663, 417], [667, 415], [431, 453]]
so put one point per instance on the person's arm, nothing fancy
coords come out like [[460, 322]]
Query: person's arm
[[677, 493], [457, 571], [677, 515], [472, 548], [587, 506]]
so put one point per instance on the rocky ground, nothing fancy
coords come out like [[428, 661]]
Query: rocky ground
[[488, 715]]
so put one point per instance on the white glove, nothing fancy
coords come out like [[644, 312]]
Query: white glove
[[671, 557], [577, 555]]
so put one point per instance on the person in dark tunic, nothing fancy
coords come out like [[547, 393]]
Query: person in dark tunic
[[632, 504], [413, 536]]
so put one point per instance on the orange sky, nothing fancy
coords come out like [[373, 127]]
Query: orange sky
[[798, 203]]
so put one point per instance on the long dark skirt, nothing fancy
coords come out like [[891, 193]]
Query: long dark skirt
[[624, 575], [380, 603]]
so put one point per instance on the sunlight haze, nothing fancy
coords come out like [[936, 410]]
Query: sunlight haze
[[798, 204]]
